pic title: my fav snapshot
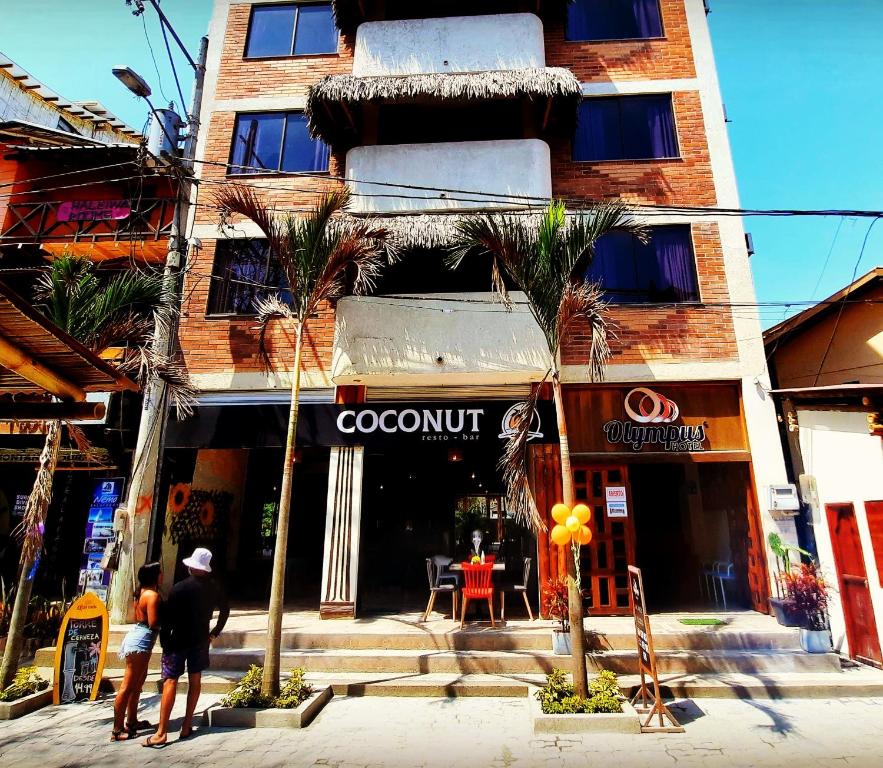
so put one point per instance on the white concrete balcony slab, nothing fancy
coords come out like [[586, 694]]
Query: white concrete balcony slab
[[505, 172], [436, 339], [455, 44]]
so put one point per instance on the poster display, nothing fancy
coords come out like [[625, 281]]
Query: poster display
[[106, 495], [616, 501], [80, 651]]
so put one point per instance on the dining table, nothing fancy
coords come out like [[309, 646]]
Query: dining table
[[459, 566]]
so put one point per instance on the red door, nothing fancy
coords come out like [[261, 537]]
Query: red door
[[861, 626]]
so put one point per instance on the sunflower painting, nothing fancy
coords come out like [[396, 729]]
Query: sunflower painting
[[197, 514]]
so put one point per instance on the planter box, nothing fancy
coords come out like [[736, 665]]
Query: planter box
[[10, 710], [626, 721], [815, 641], [561, 643], [244, 717], [786, 616]]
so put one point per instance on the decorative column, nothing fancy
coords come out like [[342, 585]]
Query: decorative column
[[343, 522]]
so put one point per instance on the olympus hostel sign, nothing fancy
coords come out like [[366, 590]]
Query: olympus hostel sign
[[450, 423], [650, 422]]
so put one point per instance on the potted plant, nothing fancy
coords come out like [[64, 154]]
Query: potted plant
[[555, 605], [782, 604], [809, 591]]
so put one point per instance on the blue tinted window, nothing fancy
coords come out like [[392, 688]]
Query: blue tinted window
[[662, 270], [271, 31], [276, 141], [300, 152], [291, 29], [625, 128], [257, 142], [613, 19], [243, 271], [316, 32]]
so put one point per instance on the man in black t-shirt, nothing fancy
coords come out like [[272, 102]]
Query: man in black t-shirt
[[186, 638]]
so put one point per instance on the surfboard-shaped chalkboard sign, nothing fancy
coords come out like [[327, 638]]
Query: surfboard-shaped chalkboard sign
[[81, 651]]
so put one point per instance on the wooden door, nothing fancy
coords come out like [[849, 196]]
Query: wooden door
[[604, 562], [855, 595]]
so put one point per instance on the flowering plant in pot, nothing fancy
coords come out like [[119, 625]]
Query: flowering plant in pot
[[809, 592], [555, 605], [783, 606]]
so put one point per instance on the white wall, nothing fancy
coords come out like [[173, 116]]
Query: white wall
[[398, 341], [519, 168], [454, 44], [847, 462]]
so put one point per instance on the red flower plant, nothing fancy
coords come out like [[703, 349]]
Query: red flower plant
[[808, 591], [555, 602]]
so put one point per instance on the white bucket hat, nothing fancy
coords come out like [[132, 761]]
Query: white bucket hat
[[200, 560]]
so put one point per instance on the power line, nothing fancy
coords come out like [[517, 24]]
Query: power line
[[858, 261], [165, 38], [51, 176], [153, 56]]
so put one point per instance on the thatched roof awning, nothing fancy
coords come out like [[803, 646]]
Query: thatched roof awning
[[429, 231], [333, 102], [37, 357], [348, 14]]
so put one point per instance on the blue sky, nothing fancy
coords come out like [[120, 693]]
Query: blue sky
[[800, 79]]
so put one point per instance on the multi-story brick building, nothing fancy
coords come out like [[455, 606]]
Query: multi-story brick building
[[429, 111]]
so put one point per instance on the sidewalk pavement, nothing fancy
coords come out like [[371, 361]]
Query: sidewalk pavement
[[373, 732]]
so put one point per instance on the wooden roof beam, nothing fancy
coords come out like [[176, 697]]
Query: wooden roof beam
[[18, 361]]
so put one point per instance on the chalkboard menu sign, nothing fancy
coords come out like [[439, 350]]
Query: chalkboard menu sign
[[648, 703], [80, 651]]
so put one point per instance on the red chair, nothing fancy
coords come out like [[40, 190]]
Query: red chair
[[478, 586]]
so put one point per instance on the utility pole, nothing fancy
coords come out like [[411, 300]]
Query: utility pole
[[133, 521]]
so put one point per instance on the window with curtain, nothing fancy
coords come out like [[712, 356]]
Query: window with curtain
[[626, 128], [243, 269], [662, 270], [292, 29], [276, 141], [613, 19]]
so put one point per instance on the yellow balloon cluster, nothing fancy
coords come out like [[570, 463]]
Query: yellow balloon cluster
[[571, 525]]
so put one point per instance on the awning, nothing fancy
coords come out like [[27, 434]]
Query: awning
[[334, 103], [38, 358]]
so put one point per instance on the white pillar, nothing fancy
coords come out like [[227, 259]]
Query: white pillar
[[343, 523]]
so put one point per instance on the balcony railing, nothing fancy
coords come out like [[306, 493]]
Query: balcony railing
[[450, 176], [458, 44], [38, 222]]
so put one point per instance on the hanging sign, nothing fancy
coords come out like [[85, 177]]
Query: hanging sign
[[93, 210], [616, 501], [650, 704], [650, 421], [80, 651]]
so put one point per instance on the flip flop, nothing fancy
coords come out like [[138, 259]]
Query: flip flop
[[153, 745]]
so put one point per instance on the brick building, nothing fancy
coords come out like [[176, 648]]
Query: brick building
[[430, 111]]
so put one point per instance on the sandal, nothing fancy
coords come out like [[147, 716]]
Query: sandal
[[182, 736], [121, 735], [153, 744], [138, 725]]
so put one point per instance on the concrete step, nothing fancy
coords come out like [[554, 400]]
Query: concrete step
[[861, 682], [524, 637], [509, 662]]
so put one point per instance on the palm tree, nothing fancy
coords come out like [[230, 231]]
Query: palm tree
[[321, 258], [548, 261], [123, 310]]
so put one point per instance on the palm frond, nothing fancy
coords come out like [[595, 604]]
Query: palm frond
[[269, 308], [584, 302], [32, 525], [513, 465], [83, 443], [242, 200]]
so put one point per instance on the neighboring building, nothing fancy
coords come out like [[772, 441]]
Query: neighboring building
[[428, 111], [72, 178], [827, 366]]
